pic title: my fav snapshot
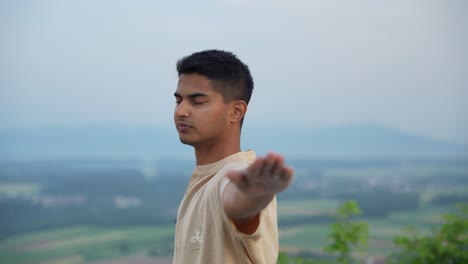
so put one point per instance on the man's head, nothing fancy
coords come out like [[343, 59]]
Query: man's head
[[229, 75], [212, 93]]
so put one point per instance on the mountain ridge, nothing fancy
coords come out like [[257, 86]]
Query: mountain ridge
[[359, 140]]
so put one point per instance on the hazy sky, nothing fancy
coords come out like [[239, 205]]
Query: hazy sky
[[401, 63]]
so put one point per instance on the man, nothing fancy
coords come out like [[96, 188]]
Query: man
[[228, 213]]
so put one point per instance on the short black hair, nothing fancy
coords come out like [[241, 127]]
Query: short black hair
[[230, 76]]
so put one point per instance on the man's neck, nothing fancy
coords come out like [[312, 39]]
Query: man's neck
[[206, 155]]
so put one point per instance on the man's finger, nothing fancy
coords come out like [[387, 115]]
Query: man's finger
[[278, 168], [270, 164], [256, 167], [288, 174]]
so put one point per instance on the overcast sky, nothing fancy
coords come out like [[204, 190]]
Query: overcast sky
[[401, 63]]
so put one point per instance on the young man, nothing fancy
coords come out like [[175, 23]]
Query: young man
[[228, 213]]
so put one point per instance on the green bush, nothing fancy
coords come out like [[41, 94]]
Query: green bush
[[446, 245]]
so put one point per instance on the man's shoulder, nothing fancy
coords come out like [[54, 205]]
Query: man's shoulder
[[235, 165], [237, 161]]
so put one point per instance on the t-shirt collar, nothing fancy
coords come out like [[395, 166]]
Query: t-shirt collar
[[208, 169]]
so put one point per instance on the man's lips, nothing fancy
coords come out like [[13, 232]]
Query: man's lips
[[183, 125]]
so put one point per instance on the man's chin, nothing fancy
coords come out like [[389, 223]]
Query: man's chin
[[186, 141]]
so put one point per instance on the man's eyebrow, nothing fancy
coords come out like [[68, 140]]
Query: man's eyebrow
[[194, 95]]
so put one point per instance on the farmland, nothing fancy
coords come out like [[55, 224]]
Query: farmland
[[59, 212]]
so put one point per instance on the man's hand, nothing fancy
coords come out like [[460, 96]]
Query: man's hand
[[252, 189], [265, 177]]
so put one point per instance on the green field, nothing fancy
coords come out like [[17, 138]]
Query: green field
[[77, 245], [313, 237], [297, 208], [85, 244], [16, 189]]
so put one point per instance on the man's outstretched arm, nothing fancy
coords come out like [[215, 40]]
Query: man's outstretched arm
[[252, 189]]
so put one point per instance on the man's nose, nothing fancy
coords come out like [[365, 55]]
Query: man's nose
[[182, 109]]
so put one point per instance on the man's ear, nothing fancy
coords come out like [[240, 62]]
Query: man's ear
[[239, 110]]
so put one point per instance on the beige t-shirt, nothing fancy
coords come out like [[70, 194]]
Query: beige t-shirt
[[205, 234]]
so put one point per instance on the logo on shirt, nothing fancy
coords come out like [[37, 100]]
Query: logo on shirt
[[197, 237]]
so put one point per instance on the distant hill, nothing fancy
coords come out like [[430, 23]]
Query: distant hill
[[365, 140]]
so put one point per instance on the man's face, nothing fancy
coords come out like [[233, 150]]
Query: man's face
[[200, 115]]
